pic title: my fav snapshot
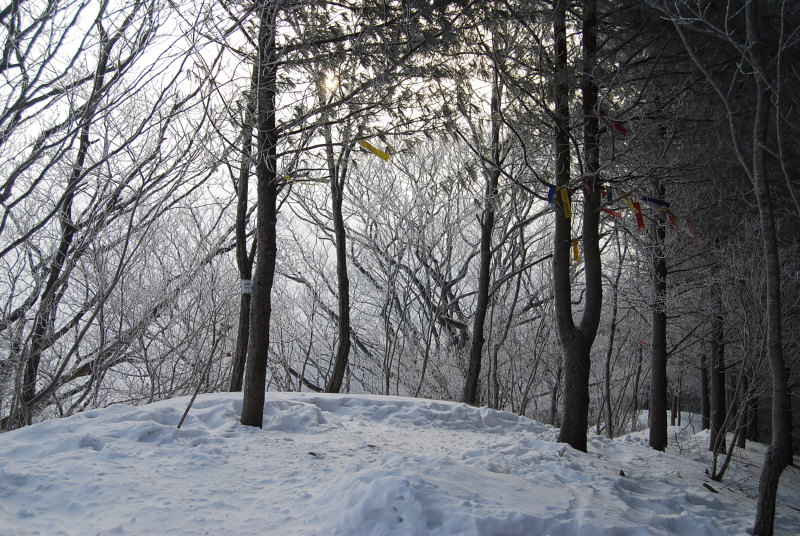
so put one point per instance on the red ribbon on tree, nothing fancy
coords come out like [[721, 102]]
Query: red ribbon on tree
[[616, 125], [637, 208], [689, 228]]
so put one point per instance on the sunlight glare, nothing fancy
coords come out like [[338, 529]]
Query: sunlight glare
[[331, 83]]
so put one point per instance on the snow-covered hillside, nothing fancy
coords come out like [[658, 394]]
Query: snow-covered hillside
[[357, 465]]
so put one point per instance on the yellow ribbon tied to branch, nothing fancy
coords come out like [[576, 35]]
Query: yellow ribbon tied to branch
[[627, 200], [374, 150], [576, 256], [565, 202]]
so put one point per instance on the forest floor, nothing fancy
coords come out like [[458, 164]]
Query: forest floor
[[363, 465]]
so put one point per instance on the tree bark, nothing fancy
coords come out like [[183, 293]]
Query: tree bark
[[554, 396], [242, 337], [636, 383], [779, 454], [768, 492], [741, 421], [658, 342], [487, 227], [705, 410], [268, 189], [22, 413], [337, 172], [576, 341], [609, 354], [752, 418], [673, 412], [610, 348], [719, 408], [244, 259]]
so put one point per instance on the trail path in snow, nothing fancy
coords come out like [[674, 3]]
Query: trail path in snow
[[354, 465]]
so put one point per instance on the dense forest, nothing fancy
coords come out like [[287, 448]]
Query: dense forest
[[573, 210]]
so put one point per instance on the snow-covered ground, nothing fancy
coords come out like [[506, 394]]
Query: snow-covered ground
[[360, 465]]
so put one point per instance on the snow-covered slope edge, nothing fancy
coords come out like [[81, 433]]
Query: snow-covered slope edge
[[350, 465]]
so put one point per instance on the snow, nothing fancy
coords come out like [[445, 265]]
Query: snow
[[361, 465]]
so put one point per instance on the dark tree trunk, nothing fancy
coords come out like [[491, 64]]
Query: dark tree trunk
[[554, 396], [673, 412], [576, 341], [22, 413], [767, 85], [334, 384], [268, 189], [779, 454], [242, 337], [244, 259], [610, 348], [492, 173], [717, 474], [337, 172], [768, 492], [741, 421], [609, 354], [719, 408], [658, 341], [705, 406], [752, 419], [636, 384], [574, 420]]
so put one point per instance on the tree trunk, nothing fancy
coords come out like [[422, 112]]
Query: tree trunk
[[752, 418], [636, 383], [768, 492], [574, 420], [718, 474], [576, 341], [705, 409], [22, 413], [779, 454], [609, 353], [554, 397], [719, 408], [268, 189], [781, 421], [244, 260], [658, 342], [487, 226], [741, 421], [338, 176], [673, 412], [242, 337], [610, 349]]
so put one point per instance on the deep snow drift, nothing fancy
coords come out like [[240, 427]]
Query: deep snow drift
[[359, 465]]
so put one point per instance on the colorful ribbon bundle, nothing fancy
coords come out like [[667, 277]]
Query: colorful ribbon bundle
[[657, 203], [560, 193]]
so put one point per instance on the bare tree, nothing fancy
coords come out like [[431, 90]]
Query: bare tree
[[269, 186], [99, 170], [576, 340], [244, 258], [491, 167], [740, 28]]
